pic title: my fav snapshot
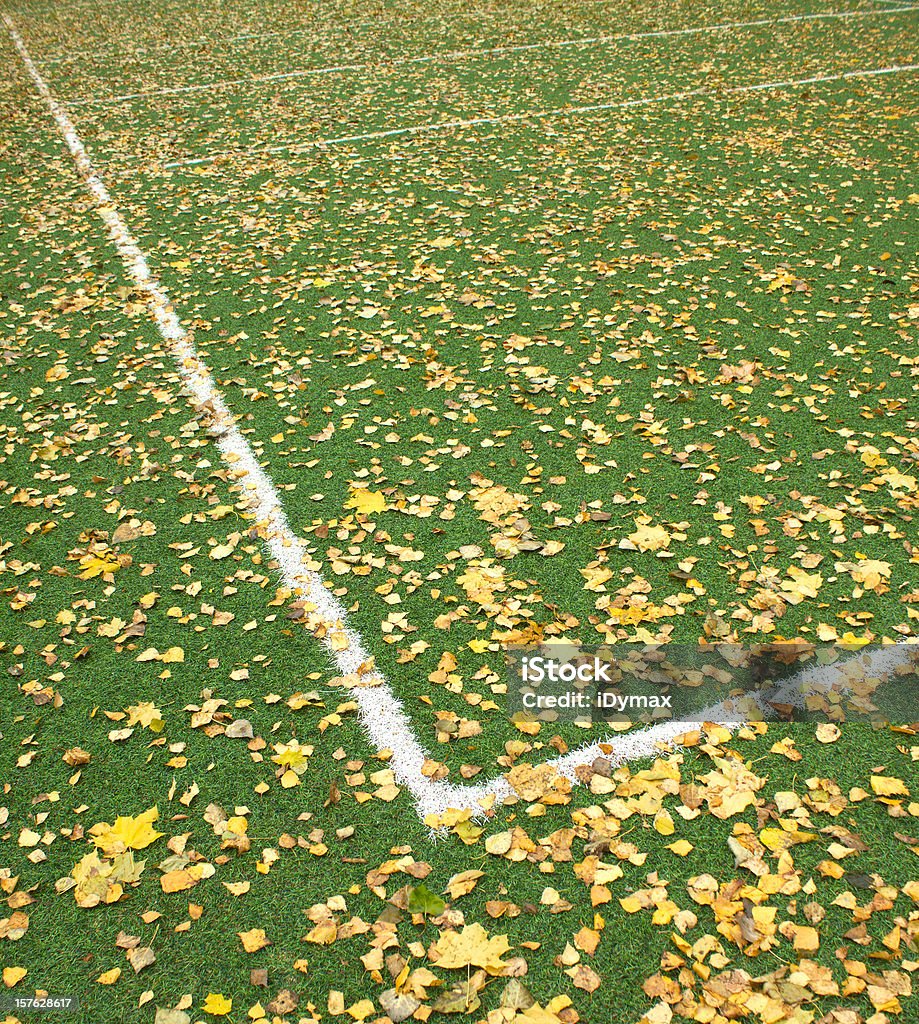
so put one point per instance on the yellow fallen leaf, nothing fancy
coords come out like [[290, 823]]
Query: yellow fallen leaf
[[366, 502], [254, 940], [663, 823], [782, 279], [402, 977], [463, 882], [13, 975], [109, 977], [650, 538], [146, 714], [472, 948], [324, 934], [681, 847], [801, 585], [127, 833], [499, 843], [776, 839], [884, 785], [804, 938], [550, 896], [217, 1004], [361, 1009], [181, 879], [96, 565]]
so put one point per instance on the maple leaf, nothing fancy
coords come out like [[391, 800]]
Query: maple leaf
[[649, 538], [91, 874], [800, 585], [217, 1004], [472, 948], [127, 833], [97, 565], [366, 502], [147, 715], [293, 759]]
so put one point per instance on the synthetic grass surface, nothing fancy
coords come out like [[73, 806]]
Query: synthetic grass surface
[[577, 361], [701, 312]]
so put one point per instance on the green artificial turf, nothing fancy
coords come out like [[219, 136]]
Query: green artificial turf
[[700, 311]]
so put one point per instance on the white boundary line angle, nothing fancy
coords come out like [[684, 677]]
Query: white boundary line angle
[[381, 713], [535, 115], [476, 54]]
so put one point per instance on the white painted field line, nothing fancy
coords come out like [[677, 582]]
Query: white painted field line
[[647, 742], [437, 126], [144, 50], [454, 55], [381, 713]]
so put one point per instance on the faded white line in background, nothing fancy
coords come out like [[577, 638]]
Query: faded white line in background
[[535, 115], [474, 54]]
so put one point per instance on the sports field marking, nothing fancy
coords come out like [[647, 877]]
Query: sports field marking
[[141, 51], [449, 55], [436, 126], [381, 713]]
